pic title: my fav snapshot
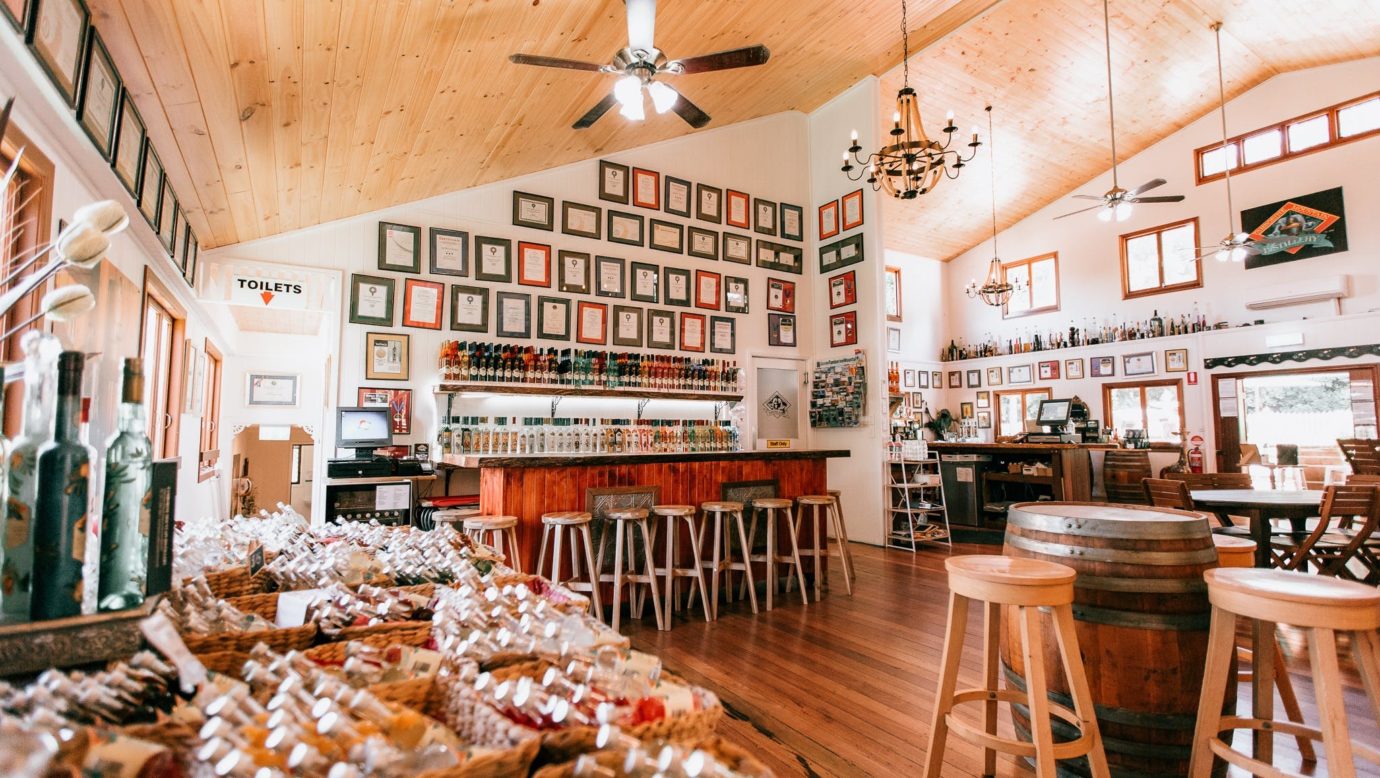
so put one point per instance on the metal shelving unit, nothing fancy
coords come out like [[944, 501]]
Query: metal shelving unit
[[915, 502]]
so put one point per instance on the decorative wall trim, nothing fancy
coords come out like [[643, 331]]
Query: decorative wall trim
[[1280, 357]]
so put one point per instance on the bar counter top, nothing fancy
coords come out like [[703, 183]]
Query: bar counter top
[[979, 447], [585, 460]]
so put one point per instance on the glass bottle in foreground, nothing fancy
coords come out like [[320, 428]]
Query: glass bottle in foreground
[[127, 500], [40, 359], [64, 472]]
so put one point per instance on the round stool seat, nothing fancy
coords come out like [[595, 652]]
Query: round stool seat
[[454, 515], [772, 502], [815, 499], [721, 506], [1294, 598], [674, 511], [626, 514], [1011, 580], [566, 518], [490, 522], [1234, 550]]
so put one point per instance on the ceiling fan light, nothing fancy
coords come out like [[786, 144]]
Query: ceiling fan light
[[627, 91], [1242, 237], [1123, 211], [1104, 215], [663, 97], [1238, 254], [633, 111], [1223, 254]]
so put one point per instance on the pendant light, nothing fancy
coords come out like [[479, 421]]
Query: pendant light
[[995, 290], [1237, 245]]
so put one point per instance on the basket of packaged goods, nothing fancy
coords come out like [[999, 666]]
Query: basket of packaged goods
[[555, 594], [623, 756], [231, 551], [344, 614], [208, 624], [400, 668]]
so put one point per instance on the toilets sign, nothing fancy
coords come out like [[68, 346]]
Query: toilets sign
[[268, 293]]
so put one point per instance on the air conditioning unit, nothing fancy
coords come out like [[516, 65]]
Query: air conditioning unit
[[1299, 291]]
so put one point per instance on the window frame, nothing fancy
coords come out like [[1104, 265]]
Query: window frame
[[892, 270], [1334, 139], [997, 394], [1197, 283], [39, 173], [209, 458], [155, 291], [1029, 262], [1108, 388]]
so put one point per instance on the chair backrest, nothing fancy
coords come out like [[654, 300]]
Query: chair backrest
[[1361, 454], [1231, 480], [1122, 473], [1346, 506], [1167, 493], [1194, 480], [1362, 478], [1351, 507]]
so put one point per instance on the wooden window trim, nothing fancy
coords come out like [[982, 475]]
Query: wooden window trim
[[1028, 262], [1333, 140], [997, 394], [1197, 283], [39, 170], [210, 417], [1107, 389], [155, 289], [892, 269]]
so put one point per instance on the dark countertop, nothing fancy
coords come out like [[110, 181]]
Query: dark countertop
[[1015, 447], [584, 460]]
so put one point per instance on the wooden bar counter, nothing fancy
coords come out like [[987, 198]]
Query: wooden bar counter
[[997, 480]]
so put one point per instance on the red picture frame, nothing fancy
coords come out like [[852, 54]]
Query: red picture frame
[[780, 295], [588, 318], [689, 324], [829, 219], [654, 178], [397, 401], [843, 329], [855, 200], [711, 300], [1049, 370], [413, 317], [740, 202], [526, 277], [843, 289]]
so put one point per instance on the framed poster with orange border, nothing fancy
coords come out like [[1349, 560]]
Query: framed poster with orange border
[[829, 219], [646, 188], [534, 264], [852, 208], [738, 212], [843, 289], [780, 295], [422, 303], [591, 323], [707, 286], [397, 401], [692, 332], [843, 329]]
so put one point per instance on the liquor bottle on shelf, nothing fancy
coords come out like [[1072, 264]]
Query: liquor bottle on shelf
[[40, 360], [64, 474], [127, 500]]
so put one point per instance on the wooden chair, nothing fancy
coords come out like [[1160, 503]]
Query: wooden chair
[[1175, 493], [1213, 480], [1347, 520], [1363, 455], [1122, 473], [1362, 478]]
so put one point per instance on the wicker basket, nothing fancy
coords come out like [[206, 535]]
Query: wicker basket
[[265, 606], [727, 754], [556, 595], [224, 662], [237, 581]]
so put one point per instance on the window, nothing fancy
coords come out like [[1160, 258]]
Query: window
[[210, 414], [1160, 259], [1313, 131], [1038, 278], [25, 223], [1015, 407], [893, 293], [160, 346], [1154, 406]]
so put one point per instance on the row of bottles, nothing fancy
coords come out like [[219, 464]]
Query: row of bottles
[[893, 378], [48, 504], [1092, 332], [514, 435], [491, 362]]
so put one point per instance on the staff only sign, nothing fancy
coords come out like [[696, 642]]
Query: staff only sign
[[260, 292]]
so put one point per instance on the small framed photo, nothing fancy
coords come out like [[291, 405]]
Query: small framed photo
[[723, 334], [625, 228], [450, 252], [703, 243], [1102, 367], [908, 378], [661, 329], [575, 271], [514, 315], [984, 420], [994, 376], [965, 410], [582, 221], [984, 399], [1049, 370], [780, 329], [271, 390], [1176, 360], [955, 379], [841, 253], [613, 182], [493, 259], [608, 277], [893, 339], [387, 355], [780, 295], [469, 308], [764, 217], [852, 206], [922, 379], [167, 215], [99, 96], [422, 301], [591, 323], [692, 332], [1073, 368], [917, 400], [738, 215], [553, 318], [829, 220], [627, 326], [667, 236], [397, 401], [707, 289], [974, 378], [1019, 374], [676, 196], [675, 285], [937, 379], [646, 192], [709, 203], [1138, 364], [129, 145], [843, 289], [150, 185], [792, 222], [843, 329], [371, 300], [645, 283], [735, 294], [534, 264], [737, 248], [893, 293], [400, 248], [535, 211], [57, 36]]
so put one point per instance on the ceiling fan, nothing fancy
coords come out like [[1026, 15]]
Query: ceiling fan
[[640, 63], [1237, 245], [1116, 202]]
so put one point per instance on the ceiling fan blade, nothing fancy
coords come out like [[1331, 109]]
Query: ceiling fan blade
[[1080, 210], [1159, 199], [641, 24], [592, 115], [1098, 198], [722, 60], [1147, 186], [690, 112], [554, 62]]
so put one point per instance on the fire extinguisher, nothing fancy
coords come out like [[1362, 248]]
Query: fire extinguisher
[[1195, 460]]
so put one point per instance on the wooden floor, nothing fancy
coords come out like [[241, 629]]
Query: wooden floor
[[844, 687]]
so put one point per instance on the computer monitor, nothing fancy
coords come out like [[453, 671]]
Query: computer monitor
[[1054, 413], [363, 428]]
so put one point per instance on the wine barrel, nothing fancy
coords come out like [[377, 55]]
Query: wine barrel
[[1122, 472], [1141, 612]]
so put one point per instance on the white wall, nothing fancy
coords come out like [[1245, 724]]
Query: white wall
[[924, 314]]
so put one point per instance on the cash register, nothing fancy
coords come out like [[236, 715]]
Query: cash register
[[369, 487], [1054, 422]]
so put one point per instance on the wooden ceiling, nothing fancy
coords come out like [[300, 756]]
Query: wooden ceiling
[[1041, 64]]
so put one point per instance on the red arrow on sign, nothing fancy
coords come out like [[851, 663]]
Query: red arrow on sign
[[267, 297]]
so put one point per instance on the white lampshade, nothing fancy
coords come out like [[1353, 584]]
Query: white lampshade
[[663, 97]]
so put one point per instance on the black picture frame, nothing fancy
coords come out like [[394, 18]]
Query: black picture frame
[[464, 242], [615, 218], [841, 253], [696, 241], [769, 256], [168, 210], [715, 323], [193, 254], [548, 307], [391, 232], [638, 271], [129, 123], [567, 207], [736, 294], [525, 199], [973, 378], [479, 294], [781, 330], [709, 203], [669, 184], [617, 272], [359, 279], [620, 195], [573, 269], [97, 55], [180, 244], [615, 323], [678, 247], [668, 275], [500, 301], [792, 210], [485, 250], [737, 248], [150, 185], [763, 217], [655, 319], [51, 68]]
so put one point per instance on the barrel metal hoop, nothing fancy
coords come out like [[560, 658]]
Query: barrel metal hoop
[[1101, 528], [1142, 585], [1177, 622], [1204, 556], [1112, 744], [1133, 718]]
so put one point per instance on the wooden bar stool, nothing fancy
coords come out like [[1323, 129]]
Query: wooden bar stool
[[1324, 607], [576, 523], [773, 508], [669, 514], [842, 537], [492, 531], [625, 521], [822, 525], [454, 517], [721, 558], [1027, 585]]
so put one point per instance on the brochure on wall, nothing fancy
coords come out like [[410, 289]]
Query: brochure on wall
[[838, 392]]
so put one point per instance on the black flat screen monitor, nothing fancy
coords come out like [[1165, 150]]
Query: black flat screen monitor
[[1054, 413], [363, 427]]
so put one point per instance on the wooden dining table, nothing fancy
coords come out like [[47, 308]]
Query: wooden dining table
[[1261, 506]]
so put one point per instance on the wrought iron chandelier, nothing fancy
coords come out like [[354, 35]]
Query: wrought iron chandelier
[[995, 289], [912, 164]]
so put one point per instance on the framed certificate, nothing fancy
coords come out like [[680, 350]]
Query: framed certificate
[[737, 248], [676, 197], [780, 295], [1073, 368], [469, 308], [397, 401], [703, 243], [129, 146], [580, 220], [843, 290], [99, 96], [613, 182], [1017, 374], [266, 389], [723, 334], [591, 323], [667, 236], [534, 264], [450, 252], [1138, 364], [841, 253], [608, 277], [514, 315], [387, 357], [843, 329], [675, 285], [493, 259], [167, 216], [691, 332], [853, 209], [735, 294], [829, 219], [780, 329], [627, 326], [371, 300], [764, 216], [57, 36], [400, 248], [707, 289], [574, 273], [709, 203], [150, 185], [646, 191], [535, 211], [646, 282], [792, 223], [553, 318], [738, 215], [625, 228], [422, 302], [661, 329]]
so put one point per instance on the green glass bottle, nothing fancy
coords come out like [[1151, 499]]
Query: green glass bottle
[[64, 473], [127, 500], [40, 358]]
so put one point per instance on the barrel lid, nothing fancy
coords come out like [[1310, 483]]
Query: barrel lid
[[1232, 541], [1103, 511]]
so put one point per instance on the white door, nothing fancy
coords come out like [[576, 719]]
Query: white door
[[778, 404]]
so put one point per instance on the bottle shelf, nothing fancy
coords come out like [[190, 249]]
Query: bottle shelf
[[562, 390]]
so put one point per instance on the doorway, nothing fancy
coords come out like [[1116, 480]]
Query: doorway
[[272, 464], [778, 415]]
